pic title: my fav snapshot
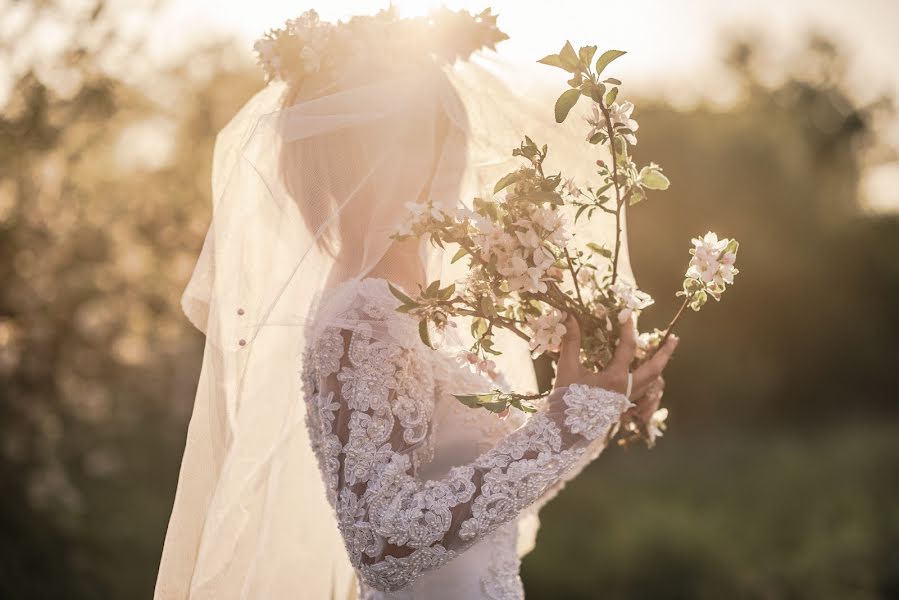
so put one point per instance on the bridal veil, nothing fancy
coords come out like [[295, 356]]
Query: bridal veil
[[307, 188]]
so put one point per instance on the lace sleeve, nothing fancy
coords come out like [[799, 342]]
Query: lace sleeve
[[369, 414]]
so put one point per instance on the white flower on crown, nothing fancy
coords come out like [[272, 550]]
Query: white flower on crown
[[630, 298], [311, 60], [710, 263], [266, 49], [547, 330]]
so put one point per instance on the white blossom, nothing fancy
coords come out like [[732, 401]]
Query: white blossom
[[547, 330], [621, 115], [528, 238], [421, 211], [710, 263], [521, 275], [630, 298], [595, 120], [493, 240], [553, 222], [656, 426], [569, 187]]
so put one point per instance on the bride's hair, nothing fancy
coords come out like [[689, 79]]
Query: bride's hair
[[322, 171]]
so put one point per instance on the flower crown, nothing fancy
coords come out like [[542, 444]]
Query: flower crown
[[309, 47]]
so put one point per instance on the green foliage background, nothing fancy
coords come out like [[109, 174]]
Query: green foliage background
[[779, 477]]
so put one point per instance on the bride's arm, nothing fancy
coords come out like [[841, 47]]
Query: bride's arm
[[370, 411]]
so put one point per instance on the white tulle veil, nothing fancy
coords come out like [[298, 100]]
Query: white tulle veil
[[307, 188]]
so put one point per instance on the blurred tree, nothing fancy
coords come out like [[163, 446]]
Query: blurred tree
[[808, 330], [104, 201]]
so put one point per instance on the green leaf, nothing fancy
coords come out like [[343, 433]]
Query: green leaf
[[598, 137], [491, 401], [619, 146], [447, 292], [636, 195], [601, 250], [522, 405], [551, 197], [487, 346], [459, 254], [611, 95], [585, 54], [565, 103], [607, 57], [568, 58], [552, 182], [487, 306], [400, 295], [553, 60], [431, 290], [580, 211], [506, 181], [478, 327], [698, 300], [423, 333], [603, 188], [732, 246], [613, 81], [495, 407], [691, 286], [652, 178], [469, 400]]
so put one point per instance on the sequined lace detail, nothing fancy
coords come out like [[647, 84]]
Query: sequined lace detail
[[370, 392], [593, 411]]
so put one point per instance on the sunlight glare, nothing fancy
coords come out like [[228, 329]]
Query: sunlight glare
[[416, 8]]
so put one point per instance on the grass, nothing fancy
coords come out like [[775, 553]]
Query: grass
[[758, 515]]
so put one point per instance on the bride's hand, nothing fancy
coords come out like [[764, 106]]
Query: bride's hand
[[614, 376]]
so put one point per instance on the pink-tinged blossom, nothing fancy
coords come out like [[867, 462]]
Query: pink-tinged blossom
[[710, 263], [547, 331]]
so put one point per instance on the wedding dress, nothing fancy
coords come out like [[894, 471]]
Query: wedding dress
[[428, 492], [326, 456]]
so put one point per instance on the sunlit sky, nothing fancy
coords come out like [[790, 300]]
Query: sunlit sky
[[674, 45], [667, 39]]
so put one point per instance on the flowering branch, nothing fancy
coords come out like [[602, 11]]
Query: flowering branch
[[521, 253]]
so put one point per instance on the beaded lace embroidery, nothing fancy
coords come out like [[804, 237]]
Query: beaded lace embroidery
[[370, 404]]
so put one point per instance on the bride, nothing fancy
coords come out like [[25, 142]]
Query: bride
[[326, 455]]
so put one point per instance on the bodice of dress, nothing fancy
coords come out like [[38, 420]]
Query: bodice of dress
[[428, 492]]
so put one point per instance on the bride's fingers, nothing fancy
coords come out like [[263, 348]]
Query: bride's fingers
[[652, 368], [569, 353], [627, 346]]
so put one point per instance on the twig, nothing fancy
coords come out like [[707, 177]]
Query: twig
[[618, 199], [577, 288], [674, 321]]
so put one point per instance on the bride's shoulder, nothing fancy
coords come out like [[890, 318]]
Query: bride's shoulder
[[366, 306]]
